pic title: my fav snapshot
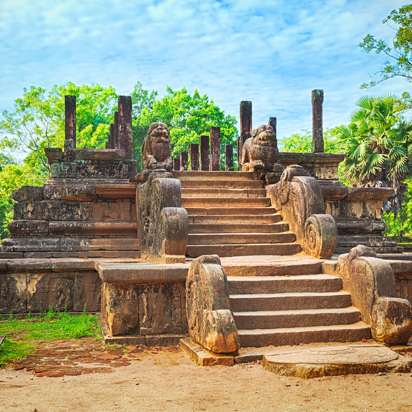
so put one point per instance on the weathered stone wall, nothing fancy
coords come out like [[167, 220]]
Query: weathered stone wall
[[31, 285]]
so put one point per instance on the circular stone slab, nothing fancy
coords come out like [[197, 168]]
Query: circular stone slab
[[336, 360]]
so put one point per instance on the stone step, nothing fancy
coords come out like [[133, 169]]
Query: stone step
[[230, 211], [296, 318], [238, 228], [235, 219], [261, 266], [243, 250], [219, 192], [225, 202], [239, 285], [239, 238], [311, 334], [289, 301], [227, 184], [202, 176]]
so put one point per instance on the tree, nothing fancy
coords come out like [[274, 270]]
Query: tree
[[302, 142], [398, 61], [187, 117], [38, 120], [379, 147], [13, 176]]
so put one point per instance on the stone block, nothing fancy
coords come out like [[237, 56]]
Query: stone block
[[52, 210], [113, 211], [3, 265], [21, 228], [26, 193], [161, 309], [13, 293], [28, 265], [53, 154], [50, 289], [87, 292], [120, 308], [142, 272], [210, 321], [34, 244], [84, 193]]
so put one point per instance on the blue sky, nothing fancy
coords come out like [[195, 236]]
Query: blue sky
[[270, 52]]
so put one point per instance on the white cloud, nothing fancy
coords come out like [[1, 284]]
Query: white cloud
[[273, 53]]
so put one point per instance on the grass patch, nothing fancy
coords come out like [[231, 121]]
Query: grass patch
[[23, 334]]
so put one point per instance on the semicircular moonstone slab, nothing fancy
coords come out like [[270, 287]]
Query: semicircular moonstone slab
[[336, 360]]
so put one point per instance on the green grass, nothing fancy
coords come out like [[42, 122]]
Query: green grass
[[23, 334]]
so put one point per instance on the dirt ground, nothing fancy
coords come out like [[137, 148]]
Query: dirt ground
[[167, 380]]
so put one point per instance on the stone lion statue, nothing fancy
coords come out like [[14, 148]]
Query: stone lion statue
[[156, 148], [261, 150]]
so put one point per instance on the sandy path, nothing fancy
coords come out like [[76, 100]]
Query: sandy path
[[169, 381]]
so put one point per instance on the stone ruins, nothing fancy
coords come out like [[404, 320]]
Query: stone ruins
[[228, 263]]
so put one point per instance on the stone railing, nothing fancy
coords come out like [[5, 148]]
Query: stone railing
[[163, 223], [299, 198]]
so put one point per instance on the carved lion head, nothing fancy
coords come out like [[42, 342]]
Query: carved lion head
[[158, 133], [264, 136]]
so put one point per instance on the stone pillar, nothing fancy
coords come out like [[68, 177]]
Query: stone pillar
[[215, 148], [116, 130], [183, 161], [125, 125], [111, 137], [194, 156], [228, 158], [318, 145], [273, 122], [70, 118], [245, 129], [204, 153], [176, 164]]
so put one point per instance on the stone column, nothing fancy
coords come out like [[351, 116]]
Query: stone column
[[194, 156], [318, 145], [183, 161], [228, 158], [273, 122], [215, 148], [204, 153], [176, 164], [70, 118], [111, 137], [245, 129], [125, 125], [116, 130]]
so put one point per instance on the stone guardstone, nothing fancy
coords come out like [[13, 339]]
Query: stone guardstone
[[336, 360]]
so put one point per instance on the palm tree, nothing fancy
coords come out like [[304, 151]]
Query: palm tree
[[379, 147]]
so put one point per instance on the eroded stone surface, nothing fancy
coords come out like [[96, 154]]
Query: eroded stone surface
[[211, 323], [371, 282], [157, 149], [260, 151], [336, 360]]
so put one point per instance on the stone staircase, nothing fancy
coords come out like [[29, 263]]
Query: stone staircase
[[291, 305], [230, 215]]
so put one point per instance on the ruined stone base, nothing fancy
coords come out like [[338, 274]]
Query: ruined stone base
[[202, 356], [139, 340], [337, 360]]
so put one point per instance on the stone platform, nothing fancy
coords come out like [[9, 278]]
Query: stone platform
[[336, 360], [310, 361]]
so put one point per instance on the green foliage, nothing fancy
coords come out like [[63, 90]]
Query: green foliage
[[302, 142], [38, 120], [187, 117], [53, 325], [378, 142], [400, 225], [398, 61]]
